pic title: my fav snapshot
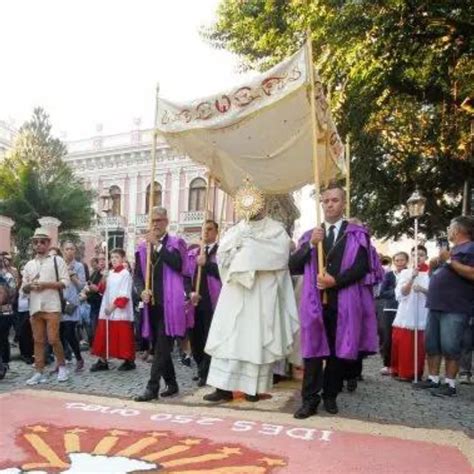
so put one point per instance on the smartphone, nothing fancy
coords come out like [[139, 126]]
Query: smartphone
[[443, 243]]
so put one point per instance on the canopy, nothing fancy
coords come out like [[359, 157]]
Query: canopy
[[261, 129]]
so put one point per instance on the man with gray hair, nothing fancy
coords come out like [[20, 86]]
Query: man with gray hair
[[450, 301], [163, 313]]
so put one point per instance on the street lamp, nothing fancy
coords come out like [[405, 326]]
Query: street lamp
[[105, 204], [416, 208], [105, 199]]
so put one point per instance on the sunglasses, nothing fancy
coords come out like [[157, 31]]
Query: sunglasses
[[40, 241]]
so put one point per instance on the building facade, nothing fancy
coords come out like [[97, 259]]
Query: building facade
[[120, 166]]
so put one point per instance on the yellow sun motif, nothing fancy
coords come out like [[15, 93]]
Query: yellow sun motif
[[74, 450]]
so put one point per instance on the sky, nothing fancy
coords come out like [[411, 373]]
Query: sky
[[92, 62]]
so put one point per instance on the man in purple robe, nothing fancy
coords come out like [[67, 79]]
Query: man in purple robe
[[337, 308], [163, 314], [204, 302]]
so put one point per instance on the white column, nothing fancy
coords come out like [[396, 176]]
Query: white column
[[51, 224], [6, 225], [175, 195]]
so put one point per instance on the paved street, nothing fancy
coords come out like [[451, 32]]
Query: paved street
[[379, 399]]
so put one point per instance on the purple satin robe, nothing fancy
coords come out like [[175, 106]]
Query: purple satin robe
[[356, 319], [213, 284], [173, 291]]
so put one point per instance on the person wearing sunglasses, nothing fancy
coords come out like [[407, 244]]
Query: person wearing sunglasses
[[45, 277]]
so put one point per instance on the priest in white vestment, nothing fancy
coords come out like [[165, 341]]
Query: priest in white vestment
[[256, 316]]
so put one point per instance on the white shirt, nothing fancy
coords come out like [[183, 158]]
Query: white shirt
[[209, 247], [412, 311], [337, 227], [42, 269]]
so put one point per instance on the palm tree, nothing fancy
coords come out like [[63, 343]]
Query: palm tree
[[35, 182]]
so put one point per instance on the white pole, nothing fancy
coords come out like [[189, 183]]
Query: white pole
[[415, 380], [106, 272]]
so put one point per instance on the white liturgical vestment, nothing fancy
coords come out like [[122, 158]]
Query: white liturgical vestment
[[256, 316]]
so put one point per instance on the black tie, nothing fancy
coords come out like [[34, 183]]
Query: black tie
[[207, 250], [330, 238]]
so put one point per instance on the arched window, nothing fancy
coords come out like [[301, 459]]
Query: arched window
[[156, 197], [197, 195], [115, 195]]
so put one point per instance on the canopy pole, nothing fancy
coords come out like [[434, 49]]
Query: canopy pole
[[206, 217], [348, 177], [317, 182], [221, 217], [151, 197]]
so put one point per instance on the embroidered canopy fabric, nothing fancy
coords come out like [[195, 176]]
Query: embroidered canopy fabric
[[261, 129]]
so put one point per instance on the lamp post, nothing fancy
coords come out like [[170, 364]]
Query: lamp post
[[416, 208], [105, 209], [105, 204]]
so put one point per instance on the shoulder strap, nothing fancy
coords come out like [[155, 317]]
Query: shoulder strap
[[61, 295], [56, 268]]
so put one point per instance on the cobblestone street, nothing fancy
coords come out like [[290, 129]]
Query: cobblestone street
[[377, 399]]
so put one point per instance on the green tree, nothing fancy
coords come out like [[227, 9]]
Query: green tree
[[398, 71], [35, 182]]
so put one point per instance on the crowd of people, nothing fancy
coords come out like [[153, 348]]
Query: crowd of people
[[231, 304]]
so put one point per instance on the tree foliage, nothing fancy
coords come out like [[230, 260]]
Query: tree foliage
[[36, 182], [398, 71]]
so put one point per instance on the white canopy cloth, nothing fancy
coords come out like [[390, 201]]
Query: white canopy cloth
[[260, 129]]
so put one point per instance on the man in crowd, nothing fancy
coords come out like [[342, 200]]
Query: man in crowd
[[204, 302], [337, 310], [44, 278], [94, 297], [450, 302], [164, 315], [256, 317], [71, 316], [7, 296]]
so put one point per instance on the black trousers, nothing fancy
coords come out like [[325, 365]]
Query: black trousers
[[386, 322], [353, 368], [67, 333], [162, 365], [25, 334], [6, 322], [327, 377], [198, 339]]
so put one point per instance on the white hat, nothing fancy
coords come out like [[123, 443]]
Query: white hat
[[41, 233]]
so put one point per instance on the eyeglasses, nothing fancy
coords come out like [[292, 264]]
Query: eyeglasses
[[40, 241], [158, 220]]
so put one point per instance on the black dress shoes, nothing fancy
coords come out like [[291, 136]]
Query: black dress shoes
[[170, 391], [306, 410], [201, 382], [351, 385], [330, 405], [99, 366], [127, 365], [252, 398], [219, 396], [146, 396]]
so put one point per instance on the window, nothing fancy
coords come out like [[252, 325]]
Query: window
[[197, 195], [156, 197], [115, 196]]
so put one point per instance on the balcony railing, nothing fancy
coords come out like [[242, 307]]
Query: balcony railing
[[141, 220], [112, 222], [192, 218]]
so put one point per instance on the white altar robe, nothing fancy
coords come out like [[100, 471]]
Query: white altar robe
[[256, 316]]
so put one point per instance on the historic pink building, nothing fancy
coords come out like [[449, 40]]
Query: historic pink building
[[121, 165]]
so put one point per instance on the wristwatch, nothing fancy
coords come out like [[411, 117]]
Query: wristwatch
[[448, 262]]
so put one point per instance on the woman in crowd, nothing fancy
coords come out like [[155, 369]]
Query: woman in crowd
[[390, 306]]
